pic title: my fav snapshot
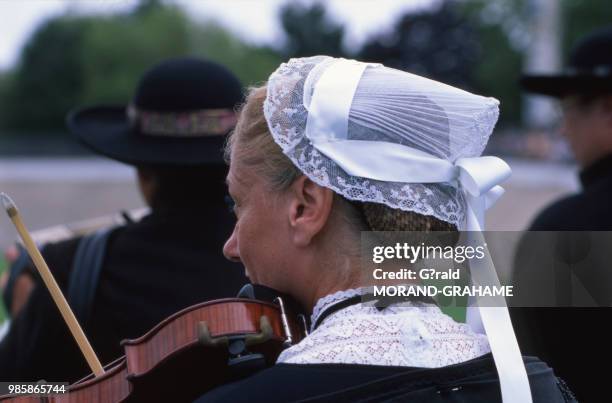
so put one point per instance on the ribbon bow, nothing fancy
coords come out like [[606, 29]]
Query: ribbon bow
[[479, 178]]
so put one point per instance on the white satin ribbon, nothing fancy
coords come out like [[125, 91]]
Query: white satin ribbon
[[328, 116], [477, 177]]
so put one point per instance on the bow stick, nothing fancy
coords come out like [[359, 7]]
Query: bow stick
[[56, 293]]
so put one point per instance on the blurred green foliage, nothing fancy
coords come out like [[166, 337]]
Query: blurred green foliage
[[252, 64], [77, 60], [500, 64], [582, 16], [48, 78], [498, 72], [309, 31], [504, 35], [438, 43], [116, 50]]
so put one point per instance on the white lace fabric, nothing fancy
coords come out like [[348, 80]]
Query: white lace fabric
[[410, 335], [389, 106]]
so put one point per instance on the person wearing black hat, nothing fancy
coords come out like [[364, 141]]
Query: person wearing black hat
[[122, 282], [570, 339], [585, 92]]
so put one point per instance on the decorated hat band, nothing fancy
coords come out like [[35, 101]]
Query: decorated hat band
[[197, 123]]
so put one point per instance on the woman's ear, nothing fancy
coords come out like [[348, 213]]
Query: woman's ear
[[309, 209]]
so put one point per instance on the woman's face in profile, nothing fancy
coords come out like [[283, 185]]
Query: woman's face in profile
[[259, 236]]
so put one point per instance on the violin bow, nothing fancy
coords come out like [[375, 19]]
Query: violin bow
[[49, 280]]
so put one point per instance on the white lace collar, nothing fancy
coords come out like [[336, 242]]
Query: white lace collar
[[329, 300], [416, 334]]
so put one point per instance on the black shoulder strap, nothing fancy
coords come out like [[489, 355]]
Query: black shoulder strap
[[85, 273]]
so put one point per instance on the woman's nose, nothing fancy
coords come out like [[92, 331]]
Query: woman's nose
[[230, 249]]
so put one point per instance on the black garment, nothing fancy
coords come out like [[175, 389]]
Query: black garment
[[589, 210], [152, 269], [572, 340], [473, 381]]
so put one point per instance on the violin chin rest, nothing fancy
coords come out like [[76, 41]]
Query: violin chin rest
[[242, 366], [259, 292]]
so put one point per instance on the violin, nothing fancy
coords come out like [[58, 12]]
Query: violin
[[185, 355], [193, 351]]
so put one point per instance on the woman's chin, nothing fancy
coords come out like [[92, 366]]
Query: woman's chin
[[252, 278]]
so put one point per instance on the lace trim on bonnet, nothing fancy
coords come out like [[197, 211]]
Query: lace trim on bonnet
[[392, 106]]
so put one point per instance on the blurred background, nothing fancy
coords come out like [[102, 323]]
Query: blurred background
[[57, 54]]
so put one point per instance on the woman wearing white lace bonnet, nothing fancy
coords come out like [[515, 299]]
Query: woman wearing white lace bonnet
[[330, 148]]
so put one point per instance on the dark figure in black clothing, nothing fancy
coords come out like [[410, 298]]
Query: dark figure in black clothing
[[123, 281], [569, 339]]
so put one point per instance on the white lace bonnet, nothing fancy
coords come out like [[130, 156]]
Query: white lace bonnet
[[375, 134]]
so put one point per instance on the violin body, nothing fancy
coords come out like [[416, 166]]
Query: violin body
[[112, 386], [191, 350], [189, 353]]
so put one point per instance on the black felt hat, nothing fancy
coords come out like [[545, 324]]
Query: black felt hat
[[181, 112], [588, 71]]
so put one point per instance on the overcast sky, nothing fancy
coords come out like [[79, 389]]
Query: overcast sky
[[254, 20]]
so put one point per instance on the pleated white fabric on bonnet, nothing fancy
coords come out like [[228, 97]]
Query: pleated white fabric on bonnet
[[389, 106]]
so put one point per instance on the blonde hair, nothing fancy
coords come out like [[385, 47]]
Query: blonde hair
[[252, 144]]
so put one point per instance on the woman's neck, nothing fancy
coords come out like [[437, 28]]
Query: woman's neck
[[332, 276]]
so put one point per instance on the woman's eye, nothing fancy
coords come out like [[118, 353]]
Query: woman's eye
[[231, 204]]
